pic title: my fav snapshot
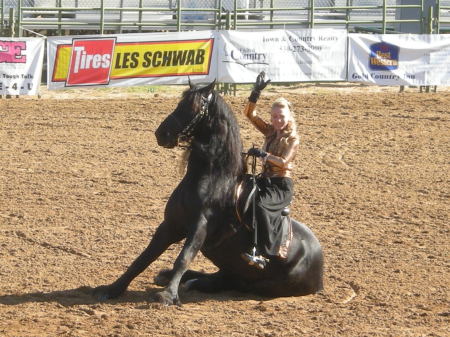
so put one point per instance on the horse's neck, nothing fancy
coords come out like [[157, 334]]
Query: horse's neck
[[203, 169]]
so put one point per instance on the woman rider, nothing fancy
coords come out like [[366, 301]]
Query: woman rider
[[275, 182]]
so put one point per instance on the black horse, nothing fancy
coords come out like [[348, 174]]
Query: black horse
[[202, 210]]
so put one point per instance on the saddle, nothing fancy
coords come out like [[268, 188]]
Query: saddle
[[245, 193]]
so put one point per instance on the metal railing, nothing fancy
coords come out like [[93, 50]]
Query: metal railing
[[344, 21], [105, 18], [380, 18]]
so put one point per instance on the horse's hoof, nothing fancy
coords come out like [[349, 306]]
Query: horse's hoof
[[165, 298], [104, 293]]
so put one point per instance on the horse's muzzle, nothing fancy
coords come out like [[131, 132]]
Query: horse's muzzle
[[165, 138]]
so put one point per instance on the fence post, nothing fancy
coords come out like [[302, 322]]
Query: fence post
[[17, 19], [271, 13], [102, 16], [12, 22], [384, 17], [218, 20], [178, 15], [140, 16], [235, 14], [58, 4], [119, 28], [430, 20], [438, 17], [311, 14], [2, 27]]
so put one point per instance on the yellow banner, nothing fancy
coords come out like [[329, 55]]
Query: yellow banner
[[148, 59]]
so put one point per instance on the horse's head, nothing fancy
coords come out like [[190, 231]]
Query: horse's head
[[182, 123]]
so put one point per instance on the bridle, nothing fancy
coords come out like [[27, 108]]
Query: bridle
[[186, 134]]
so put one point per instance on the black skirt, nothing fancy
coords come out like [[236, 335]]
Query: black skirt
[[275, 195]]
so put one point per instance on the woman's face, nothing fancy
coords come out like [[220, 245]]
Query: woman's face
[[279, 117]]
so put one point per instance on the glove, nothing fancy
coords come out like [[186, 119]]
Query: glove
[[258, 153], [259, 85]]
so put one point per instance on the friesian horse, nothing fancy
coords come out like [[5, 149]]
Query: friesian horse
[[201, 210]]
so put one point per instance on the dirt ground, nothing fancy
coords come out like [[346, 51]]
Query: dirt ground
[[84, 184]]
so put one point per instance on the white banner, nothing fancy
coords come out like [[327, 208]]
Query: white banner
[[21, 62], [285, 55], [131, 59], [404, 59]]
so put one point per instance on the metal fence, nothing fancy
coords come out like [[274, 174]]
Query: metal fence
[[117, 16]]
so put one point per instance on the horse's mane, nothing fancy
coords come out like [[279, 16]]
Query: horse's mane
[[218, 145]]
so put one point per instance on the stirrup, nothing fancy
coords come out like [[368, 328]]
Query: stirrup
[[258, 261]]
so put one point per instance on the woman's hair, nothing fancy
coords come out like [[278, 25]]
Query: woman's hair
[[291, 127], [282, 103]]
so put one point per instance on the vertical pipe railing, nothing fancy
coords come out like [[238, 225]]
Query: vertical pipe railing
[[179, 15], [120, 17], [218, 14], [383, 30], [271, 13], [18, 31], [422, 17], [102, 16], [311, 14], [140, 16], [347, 13], [2, 26], [438, 17], [430, 20], [59, 5], [235, 14], [12, 22]]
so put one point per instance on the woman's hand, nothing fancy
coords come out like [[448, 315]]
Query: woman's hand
[[258, 153], [259, 85]]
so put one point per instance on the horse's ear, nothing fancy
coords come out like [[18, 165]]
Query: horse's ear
[[190, 83], [209, 88]]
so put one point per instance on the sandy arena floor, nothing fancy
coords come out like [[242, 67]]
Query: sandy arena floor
[[83, 187]]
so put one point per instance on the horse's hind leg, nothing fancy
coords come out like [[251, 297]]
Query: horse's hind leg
[[161, 240], [211, 283], [195, 280], [164, 276]]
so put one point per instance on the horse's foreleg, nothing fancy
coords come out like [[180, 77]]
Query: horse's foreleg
[[161, 240], [194, 242]]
